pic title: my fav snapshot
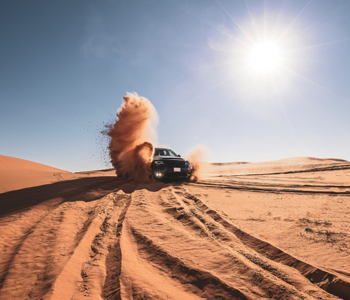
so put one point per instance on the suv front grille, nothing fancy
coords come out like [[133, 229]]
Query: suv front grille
[[172, 163]]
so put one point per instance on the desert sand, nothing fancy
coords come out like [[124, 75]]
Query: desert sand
[[273, 230]]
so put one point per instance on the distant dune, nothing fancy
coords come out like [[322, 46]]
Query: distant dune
[[269, 230], [294, 164], [18, 173]]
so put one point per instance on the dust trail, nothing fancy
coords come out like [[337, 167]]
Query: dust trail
[[131, 149], [198, 159]]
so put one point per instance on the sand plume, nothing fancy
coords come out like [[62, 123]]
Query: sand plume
[[130, 147], [198, 159]]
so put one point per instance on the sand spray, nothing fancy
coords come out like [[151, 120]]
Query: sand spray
[[132, 140], [132, 137]]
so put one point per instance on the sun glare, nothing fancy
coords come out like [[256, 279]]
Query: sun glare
[[264, 57]]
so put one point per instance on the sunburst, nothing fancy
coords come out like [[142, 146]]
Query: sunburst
[[265, 57]]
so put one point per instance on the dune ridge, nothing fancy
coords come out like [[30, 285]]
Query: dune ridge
[[16, 173]]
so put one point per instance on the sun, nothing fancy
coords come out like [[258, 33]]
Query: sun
[[265, 57]]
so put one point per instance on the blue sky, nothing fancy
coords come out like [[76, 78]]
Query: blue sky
[[65, 66]]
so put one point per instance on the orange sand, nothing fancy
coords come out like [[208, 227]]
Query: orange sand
[[274, 230], [19, 173]]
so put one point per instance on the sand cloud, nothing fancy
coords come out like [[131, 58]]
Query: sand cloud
[[132, 137], [132, 140], [198, 159]]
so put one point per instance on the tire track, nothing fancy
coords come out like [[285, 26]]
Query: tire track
[[272, 189], [43, 253], [15, 241], [205, 258], [219, 233], [336, 167], [111, 288], [327, 281], [17, 228], [306, 186], [88, 265], [204, 282]]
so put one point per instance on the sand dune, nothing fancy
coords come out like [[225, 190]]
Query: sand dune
[[18, 173], [279, 233], [292, 165]]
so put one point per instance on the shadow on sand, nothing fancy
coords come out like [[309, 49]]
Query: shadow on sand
[[83, 189]]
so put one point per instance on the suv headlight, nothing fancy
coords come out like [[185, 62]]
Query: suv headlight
[[159, 162], [187, 164]]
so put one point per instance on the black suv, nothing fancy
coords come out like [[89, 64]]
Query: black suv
[[167, 164]]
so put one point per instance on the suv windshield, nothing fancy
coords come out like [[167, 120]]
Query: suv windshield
[[164, 152]]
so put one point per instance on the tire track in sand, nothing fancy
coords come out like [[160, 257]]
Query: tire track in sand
[[277, 188], [62, 237], [91, 267], [151, 245], [111, 288], [174, 237], [326, 280]]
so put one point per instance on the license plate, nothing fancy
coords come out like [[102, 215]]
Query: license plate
[[177, 169]]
